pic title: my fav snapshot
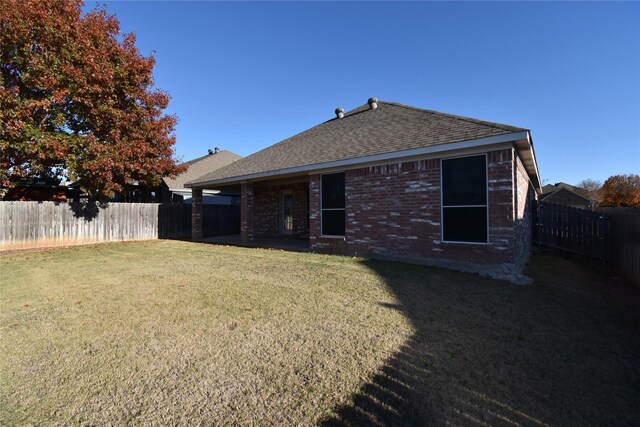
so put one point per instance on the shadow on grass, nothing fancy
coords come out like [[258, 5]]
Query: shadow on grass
[[563, 351]]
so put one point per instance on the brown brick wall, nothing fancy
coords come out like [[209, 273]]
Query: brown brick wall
[[524, 196], [394, 210], [266, 217], [314, 211], [246, 212]]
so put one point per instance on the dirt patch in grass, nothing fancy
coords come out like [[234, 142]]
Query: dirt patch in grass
[[175, 332]]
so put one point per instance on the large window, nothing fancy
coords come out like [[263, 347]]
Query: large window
[[464, 199], [332, 204]]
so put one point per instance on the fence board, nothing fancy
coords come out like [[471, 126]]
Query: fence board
[[219, 220], [42, 224], [174, 221], [625, 240], [572, 229]]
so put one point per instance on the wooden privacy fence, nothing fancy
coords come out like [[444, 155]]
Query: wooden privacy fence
[[43, 224], [624, 228], [219, 220], [174, 220], [571, 229]]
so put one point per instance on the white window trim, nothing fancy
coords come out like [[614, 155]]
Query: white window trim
[[442, 207], [334, 236]]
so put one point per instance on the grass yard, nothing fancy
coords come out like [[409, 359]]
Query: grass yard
[[167, 332]]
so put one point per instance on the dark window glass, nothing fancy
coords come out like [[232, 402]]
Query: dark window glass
[[464, 181], [333, 204], [464, 184], [464, 224], [333, 191], [333, 222]]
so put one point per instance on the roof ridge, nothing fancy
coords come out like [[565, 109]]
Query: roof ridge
[[463, 118], [206, 156], [196, 160], [361, 133], [207, 160]]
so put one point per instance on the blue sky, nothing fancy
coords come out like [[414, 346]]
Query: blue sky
[[243, 76]]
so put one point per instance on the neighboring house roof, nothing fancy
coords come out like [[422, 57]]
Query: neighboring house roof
[[201, 166], [552, 188], [365, 133], [565, 194]]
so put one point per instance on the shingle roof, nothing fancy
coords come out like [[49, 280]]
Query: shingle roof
[[550, 189], [201, 166], [362, 132]]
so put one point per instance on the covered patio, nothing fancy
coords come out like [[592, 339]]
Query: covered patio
[[273, 213]]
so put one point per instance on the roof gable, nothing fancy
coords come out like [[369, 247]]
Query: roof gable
[[565, 196], [555, 188], [201, 166], [362, 132]]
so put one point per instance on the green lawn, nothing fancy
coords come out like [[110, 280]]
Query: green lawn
[[168, 332]]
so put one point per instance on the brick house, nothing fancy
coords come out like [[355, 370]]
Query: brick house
[[391, 181]]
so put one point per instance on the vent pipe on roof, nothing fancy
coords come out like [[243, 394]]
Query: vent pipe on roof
[[339, 112], [373, 103]]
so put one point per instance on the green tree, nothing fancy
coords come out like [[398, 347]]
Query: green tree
[[77, 100]]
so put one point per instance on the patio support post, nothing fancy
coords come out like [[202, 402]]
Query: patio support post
[[196, 213], [314, 209], [246, 212]]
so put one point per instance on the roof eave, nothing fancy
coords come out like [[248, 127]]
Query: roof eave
[[514, 137], [188, 190], [528, 156]]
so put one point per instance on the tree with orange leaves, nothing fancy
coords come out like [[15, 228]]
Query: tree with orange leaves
[[621, 190], [77, 100]]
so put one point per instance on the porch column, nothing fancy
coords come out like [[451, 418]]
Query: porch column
[[196, 213], [246, 212], [314, 209]]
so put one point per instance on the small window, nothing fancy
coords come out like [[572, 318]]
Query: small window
[[464, 199], [332, 205]]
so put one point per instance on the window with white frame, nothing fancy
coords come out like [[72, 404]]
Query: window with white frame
[[464, 199], [332, 204]]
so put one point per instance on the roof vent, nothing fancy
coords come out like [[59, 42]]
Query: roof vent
[[217, 150], [210, 151], [373, 103], [339, 112]]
